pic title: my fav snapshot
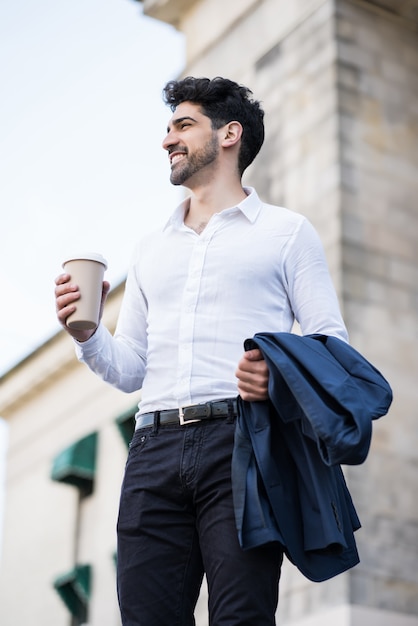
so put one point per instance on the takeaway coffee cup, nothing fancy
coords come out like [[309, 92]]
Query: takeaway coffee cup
[[86, 271]]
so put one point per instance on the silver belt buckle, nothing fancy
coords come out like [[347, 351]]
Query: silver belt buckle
[[182, 421]]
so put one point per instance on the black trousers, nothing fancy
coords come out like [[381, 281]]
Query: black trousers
[[176, 522]]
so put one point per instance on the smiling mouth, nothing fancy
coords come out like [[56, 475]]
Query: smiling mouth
[[176, 156]]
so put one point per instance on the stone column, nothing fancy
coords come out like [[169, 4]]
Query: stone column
[[339, 83]]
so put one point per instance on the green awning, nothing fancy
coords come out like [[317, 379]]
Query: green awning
[[74, 590], [126, 425], [76, 465]]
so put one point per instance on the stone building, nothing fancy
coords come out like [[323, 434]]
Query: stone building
[[339, 83], [67, 450]]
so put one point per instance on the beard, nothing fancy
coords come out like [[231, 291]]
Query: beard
[[195, 162]]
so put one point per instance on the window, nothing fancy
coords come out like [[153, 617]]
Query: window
[[76, 465], [74, 590]]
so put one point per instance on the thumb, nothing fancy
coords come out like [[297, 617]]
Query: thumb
[[254, 355]]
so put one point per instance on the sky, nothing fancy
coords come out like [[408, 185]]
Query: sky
[[81, 163]]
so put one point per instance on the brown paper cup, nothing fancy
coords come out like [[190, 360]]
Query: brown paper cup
[[86, 271]]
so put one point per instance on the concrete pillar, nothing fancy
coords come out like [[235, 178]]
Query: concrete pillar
[[339, 83]]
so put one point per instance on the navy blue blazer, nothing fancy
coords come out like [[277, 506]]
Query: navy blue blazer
[[287, 482]]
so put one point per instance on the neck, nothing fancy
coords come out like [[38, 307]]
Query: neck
[[208, 200]]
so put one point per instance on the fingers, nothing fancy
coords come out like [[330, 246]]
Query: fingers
[[254, 355], [253, 376], [66, 294], [105, 291]]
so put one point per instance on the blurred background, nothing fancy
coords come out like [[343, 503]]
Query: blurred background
[[82, 122], [81, 164]]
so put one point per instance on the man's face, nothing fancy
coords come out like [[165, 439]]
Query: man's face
[[192, 145]]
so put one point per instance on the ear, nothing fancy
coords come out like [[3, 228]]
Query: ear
[[230, 134]]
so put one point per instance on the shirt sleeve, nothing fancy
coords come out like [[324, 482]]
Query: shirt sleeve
[[311, 291], [120, 359]]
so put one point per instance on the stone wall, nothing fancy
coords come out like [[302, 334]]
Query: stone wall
[[339, 83], [378, 113]]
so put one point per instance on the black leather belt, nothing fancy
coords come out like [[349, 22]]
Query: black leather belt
[[190, 414]]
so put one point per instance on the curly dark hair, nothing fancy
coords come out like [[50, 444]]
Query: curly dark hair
[[223, 101]]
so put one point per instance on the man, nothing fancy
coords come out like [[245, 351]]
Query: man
[[225, 266]]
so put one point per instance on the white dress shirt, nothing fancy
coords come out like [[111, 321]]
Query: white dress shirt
[[191, 300]]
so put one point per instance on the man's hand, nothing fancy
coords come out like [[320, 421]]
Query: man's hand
[[253, 376], [66, 296]]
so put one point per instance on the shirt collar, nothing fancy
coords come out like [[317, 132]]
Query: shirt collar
[[250, 207]]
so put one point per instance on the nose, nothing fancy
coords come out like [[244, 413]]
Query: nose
[[169, 140]]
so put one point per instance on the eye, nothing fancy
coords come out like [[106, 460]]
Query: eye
[[185, 125]]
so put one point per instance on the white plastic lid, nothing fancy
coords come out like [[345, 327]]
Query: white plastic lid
[[89, 256]]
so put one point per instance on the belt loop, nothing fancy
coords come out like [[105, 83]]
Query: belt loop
[[156, 424], [231, 411]]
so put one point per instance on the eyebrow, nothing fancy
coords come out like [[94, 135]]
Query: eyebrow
[[179, 120]]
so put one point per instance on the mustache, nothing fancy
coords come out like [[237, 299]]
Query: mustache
[[177, 148]]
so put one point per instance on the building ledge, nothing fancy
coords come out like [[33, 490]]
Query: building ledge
[[169, 11]]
